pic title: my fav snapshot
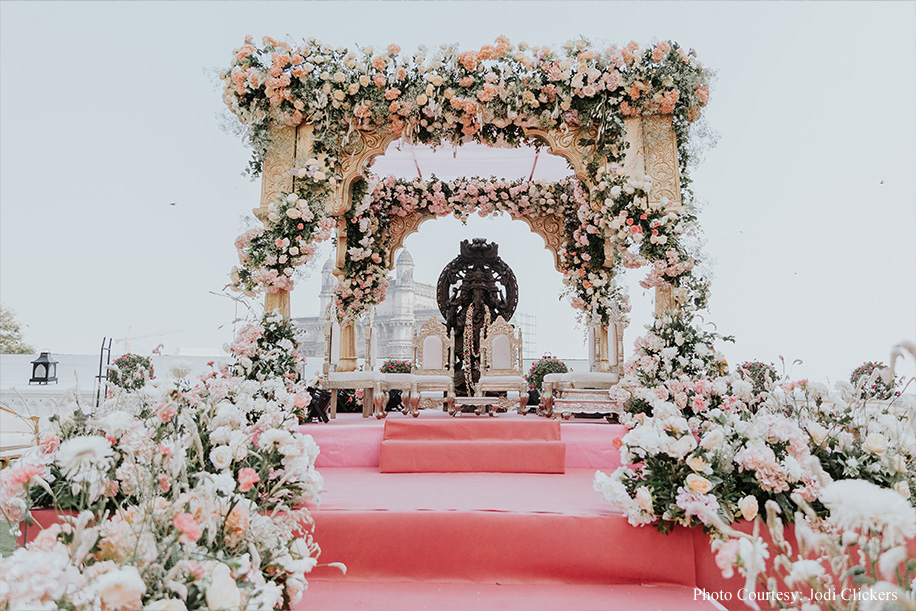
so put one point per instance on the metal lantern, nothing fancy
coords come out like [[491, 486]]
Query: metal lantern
[[44, 369]]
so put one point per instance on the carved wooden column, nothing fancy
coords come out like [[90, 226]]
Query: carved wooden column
[[276, 178]]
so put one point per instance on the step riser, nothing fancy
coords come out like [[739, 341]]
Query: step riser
[[492, 546], [472, 456]]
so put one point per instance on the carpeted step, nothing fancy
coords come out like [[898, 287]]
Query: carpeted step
[[342, 595], [489, 528], [354, 441], [481, 446]]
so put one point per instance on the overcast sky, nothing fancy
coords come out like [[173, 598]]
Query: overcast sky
[[110, 113]]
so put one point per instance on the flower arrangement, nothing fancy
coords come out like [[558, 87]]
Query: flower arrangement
[[268, 349], [675, 347], [294, 225], [131, 371], [489, 95], [395, 366], [695, 448], [540, 368], [186, 494], [763, 375], [870, 375], [853, 556]]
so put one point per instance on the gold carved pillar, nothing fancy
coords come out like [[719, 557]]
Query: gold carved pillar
[[602, 362], [660, 151], [278, 302], [361, 147], [276, 178]]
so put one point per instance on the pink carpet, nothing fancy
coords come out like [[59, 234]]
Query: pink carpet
[[429, 596], [489, 528], [353, 441], [482, 541], [472, 445]]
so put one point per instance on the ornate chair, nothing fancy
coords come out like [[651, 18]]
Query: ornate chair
[[370, 382], [501, 362], [17, 434], [433, 350]]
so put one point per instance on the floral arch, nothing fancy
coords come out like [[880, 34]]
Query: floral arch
[[316, 116]]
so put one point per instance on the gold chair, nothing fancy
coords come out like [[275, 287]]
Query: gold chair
[[433, 355], [501, 362]]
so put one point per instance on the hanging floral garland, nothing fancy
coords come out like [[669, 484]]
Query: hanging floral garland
[[294, 226], [587, 218]]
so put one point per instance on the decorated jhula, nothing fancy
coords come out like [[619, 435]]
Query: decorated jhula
[[316, 116]]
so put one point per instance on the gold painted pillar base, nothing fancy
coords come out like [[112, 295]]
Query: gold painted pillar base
[[277, 302], [347, 347]]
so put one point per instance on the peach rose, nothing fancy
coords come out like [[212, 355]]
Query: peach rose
[[748, 507], [698, 483], [697, 463]]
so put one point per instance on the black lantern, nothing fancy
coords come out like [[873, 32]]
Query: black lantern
[[44, 369]]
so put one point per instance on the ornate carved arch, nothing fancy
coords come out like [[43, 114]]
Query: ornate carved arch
[[549, 227]]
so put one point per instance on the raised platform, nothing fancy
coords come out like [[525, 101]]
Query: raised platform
[[353, 441], [472, 445]]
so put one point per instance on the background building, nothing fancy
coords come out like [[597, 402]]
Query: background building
[[408, 305]]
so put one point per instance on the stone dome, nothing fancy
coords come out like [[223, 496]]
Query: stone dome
[[404, 258]]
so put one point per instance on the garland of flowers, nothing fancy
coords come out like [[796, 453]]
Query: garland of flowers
[[586, 218], [468, 347], [488, 95], [294, 225]]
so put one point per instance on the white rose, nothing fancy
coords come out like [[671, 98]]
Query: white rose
[[712, 439], [221, 457], [875, 443], [121, 588], [223, 592], [748, 507], [903, 488], [166, 604], [817, 432]]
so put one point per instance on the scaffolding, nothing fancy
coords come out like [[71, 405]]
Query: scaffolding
[[528, 323]]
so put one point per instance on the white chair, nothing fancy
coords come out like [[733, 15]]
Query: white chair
[[17, 434], [501, 362], [370, 382], [433, 350]]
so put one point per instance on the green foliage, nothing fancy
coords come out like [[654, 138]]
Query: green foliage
[[131, 371], [761, 374], [547, 364], [11, 334], [873, 386], [395, 366]]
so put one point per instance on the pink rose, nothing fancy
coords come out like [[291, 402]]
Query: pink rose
[[188, 526], [248, 477]]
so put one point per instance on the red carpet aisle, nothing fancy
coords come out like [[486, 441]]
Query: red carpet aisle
[[479, 541]]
